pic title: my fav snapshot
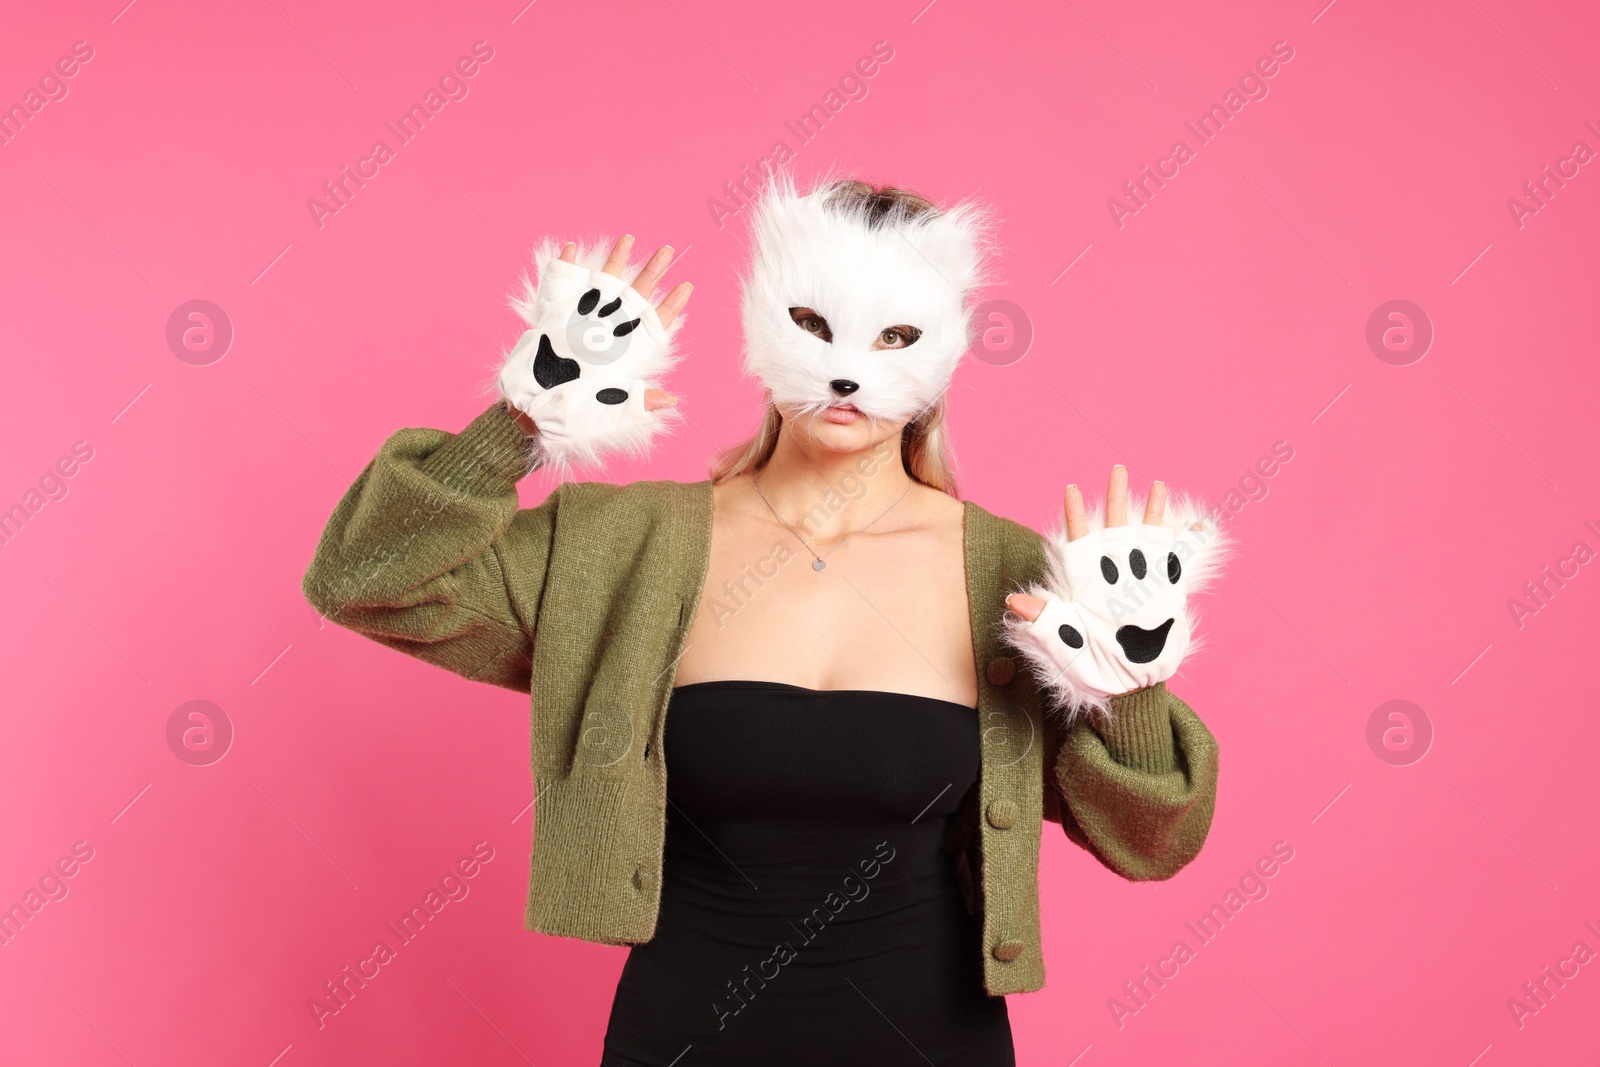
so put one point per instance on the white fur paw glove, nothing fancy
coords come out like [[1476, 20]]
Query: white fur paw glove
[[1117, 614], [593, 346]]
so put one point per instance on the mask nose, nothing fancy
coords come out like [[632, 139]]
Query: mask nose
[[843, 386]]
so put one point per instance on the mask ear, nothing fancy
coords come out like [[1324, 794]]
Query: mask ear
[[958, 242]]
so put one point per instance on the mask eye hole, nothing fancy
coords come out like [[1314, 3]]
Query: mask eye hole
[[812, 323], [901, 336]]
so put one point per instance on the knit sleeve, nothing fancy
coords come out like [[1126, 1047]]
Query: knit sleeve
[[428, 553], [1139, 789]]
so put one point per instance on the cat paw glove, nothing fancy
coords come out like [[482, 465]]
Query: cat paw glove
[[592, 348], [1117, 615]]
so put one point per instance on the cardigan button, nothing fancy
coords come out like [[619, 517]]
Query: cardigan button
[[1003, 814], [1001, 670], [1006, 951], [641, 877]]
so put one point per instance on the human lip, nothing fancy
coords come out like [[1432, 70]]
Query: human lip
[[841, 413]]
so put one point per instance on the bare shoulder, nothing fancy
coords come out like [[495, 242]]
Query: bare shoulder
[[940, 506], [734, 498], [936, 511]]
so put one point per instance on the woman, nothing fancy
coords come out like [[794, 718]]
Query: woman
[[842, 866]]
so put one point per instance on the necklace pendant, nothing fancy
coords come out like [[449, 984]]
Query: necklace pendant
[[820, 565]]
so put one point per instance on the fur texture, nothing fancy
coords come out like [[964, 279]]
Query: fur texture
[[1067, 695], [813, 251]]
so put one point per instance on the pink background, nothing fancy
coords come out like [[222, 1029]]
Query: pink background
[[1227, 315]]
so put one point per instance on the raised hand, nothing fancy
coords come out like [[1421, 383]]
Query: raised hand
[[1112, 614], [583, 377]]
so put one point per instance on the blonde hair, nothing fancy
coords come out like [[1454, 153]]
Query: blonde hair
[[925, 441]]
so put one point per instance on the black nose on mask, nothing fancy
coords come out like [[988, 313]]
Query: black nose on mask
[[843, 386]]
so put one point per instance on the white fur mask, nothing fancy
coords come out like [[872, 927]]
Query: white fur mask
[[863, 277]]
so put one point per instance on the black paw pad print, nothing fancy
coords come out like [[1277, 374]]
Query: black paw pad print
[[586, 305], [1137, 564], [1143, 646], [551, 370], [1138, 644]]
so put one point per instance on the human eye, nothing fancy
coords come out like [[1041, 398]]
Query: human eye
[[812, 323], [899, 337]]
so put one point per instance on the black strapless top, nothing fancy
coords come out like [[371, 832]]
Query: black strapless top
[[809, 911]]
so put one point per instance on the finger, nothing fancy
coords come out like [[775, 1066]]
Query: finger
[[645, 283], [1027, 606], [619, 256], [1155, 509], [1117, 497], [655, 400], [672, 306], [569, 252], [1072, 509]]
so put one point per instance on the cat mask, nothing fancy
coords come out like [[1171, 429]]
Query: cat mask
[[863, 270]]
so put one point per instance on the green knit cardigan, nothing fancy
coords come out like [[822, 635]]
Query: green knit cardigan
[[585, 602]]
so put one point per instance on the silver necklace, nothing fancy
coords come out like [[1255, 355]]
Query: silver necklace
[[820, 562]]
